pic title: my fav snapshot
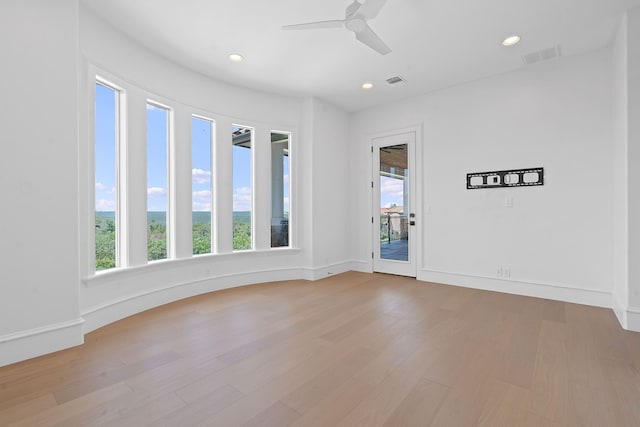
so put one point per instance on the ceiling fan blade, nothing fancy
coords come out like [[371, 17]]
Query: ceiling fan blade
[[370, 8], [371, 39], [314, 25]]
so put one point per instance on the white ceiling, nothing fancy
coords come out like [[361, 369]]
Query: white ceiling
[[435, 43]]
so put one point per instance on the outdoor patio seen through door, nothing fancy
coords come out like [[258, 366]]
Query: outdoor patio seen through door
[[393, 211]]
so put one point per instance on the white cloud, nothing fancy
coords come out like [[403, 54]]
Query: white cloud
[[201, 200], [392, 187], [100, 186], [200, 176], [198, 206], [203, 194], [242, 199], [156, 191], [105, 205]]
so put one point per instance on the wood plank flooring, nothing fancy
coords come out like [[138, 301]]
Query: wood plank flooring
[[351, 350]]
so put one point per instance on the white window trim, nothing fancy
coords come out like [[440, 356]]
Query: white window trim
[[253, 186], [212, 147], [290, 219], [120, 160], [123, 181], [171, 182]]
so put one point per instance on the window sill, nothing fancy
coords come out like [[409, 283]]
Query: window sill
[[107, 276]]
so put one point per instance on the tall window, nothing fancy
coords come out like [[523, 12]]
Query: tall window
[[279, 189], [242, 194], [157, 181], [106, 173], [201, 202]]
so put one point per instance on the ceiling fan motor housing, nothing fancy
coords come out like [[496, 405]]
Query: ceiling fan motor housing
[[356, 24], [356, 16], [351, 9]]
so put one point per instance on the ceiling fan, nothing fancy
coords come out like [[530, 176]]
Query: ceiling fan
[[355, 20]]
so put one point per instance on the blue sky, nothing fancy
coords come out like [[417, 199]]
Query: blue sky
[[285, 168], [157, 160], [105, 148], [391, 191], [157, 140], [201, 137], [241, 176]]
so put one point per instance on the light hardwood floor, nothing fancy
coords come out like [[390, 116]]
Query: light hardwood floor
[[351, 350]]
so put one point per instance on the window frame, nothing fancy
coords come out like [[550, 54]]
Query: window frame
[[290, 215], [131, 144], [170, 228], [119, 157], [212, 198], [252, 183]]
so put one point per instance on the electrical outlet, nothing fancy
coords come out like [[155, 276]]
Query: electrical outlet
[[504, 272], [508, 202]]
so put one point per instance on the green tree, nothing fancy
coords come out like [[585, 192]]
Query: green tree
[[201, 238], [156, 241], [105, 243], [241, 236]]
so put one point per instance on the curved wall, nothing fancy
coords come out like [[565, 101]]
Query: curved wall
[[109, 296], [38, 170], [49, 295]]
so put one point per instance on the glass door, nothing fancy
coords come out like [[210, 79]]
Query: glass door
[[394, 217]]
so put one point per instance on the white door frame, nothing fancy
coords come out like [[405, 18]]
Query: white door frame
[[413, 137]]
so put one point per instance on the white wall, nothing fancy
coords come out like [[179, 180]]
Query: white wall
[[626, 155], [49, 295], [633, 120], [558, 115], [108, 297], [38, 175], [330, 171], [556, 239], [620, 174]]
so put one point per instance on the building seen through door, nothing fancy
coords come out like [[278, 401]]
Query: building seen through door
[[394, 221]]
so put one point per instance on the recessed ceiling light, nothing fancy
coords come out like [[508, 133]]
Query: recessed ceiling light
[[236, 57], [510, 41], [367, 86]]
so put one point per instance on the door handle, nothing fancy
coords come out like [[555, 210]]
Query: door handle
[[412, 215], [412, 223]]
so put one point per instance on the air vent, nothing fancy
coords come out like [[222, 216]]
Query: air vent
[[542, 55], [395, 80]]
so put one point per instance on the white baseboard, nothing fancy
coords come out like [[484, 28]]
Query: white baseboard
[[621, 315], [633, 319], [112, 311], [317, 273], [540, 290], [24, 345], [629, 317], [362, 266]]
